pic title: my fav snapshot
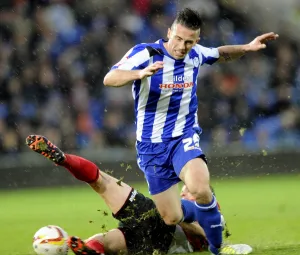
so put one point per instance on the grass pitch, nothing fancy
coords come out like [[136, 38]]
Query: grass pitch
[[263, 212]]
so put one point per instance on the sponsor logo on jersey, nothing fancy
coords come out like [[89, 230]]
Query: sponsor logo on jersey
[[176, 85], [181, 78]]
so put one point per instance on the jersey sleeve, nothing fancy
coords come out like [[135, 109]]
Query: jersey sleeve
[[209, 55], [136, 58]]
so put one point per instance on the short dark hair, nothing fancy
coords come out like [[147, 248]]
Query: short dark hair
[[188, 18]]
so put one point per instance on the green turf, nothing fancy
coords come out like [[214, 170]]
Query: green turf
[[262, 212]]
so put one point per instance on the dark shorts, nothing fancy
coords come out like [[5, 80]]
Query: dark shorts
[[143, 228]]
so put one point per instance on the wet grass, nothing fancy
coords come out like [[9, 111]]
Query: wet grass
[[263, 212]]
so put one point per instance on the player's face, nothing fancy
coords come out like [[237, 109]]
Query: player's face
[[185, 194], [181, 40]]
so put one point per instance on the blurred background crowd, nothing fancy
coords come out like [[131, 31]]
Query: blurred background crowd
[[55, 53]]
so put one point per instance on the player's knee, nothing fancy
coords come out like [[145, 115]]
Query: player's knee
[[202, 194], [172, 219]]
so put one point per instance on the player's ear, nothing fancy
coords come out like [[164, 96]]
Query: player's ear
[[169, 33], [199, 37]]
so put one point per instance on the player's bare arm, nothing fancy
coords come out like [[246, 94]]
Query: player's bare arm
[[193, 228], [232, 52], [119, 78]]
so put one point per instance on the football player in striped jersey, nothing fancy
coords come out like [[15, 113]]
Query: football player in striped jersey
[[163, 76]]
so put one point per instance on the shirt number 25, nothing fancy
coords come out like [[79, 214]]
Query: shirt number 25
[[191, 143]]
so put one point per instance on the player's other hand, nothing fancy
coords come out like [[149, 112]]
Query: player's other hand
[[151, 69], [259, 42]]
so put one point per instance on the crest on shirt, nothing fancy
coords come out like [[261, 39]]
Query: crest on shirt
[[196, 61]]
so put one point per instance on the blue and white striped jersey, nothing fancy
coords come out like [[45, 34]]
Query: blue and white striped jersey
[[166, 102]]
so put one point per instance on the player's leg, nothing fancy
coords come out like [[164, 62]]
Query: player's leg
[[109, 188], [80, 247], [140, 231], [112, 191], [166, 200], [154, 160], [112, 242], [171, 208], [190, 165], [185, 194], [196, 177]]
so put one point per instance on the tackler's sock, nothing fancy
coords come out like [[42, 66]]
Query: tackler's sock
[[82, 169], [79, 247], [96, 245]]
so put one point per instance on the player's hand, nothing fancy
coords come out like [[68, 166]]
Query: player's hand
[[259, 42], [152, 69]]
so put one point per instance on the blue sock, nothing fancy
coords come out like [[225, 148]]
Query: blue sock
[[209, 219], [189, 211]]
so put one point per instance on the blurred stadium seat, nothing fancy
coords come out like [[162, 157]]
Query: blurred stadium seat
[[54, 55]]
